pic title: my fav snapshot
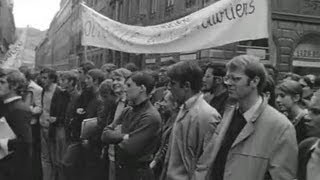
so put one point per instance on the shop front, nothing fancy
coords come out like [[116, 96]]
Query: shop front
[[306, 56]]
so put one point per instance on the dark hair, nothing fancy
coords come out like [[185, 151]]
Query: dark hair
[[272, 71], [106, 88], [143, 78], [308, 81], [70, 76], [96, 74], [87, 66], [270, 87], [187, 71], [52, 74], [293, 76], [26, 71], [251, 66], [123, 72], [131, 67], [219, 69], [108, 67], [15, 79]]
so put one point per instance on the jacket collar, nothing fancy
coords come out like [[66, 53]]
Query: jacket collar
[[249, 115], [249, 128], [9, 100], [191, 101], [211, 150]]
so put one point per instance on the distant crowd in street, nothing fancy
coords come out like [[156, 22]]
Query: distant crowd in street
[[236, 121]]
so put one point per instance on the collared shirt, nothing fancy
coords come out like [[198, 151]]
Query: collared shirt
[[187, 105], [9, 100], [47, 98], [250, 112]]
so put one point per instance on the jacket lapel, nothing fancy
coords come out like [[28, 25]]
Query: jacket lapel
[[250, 126], [211, 150], [244, 134]]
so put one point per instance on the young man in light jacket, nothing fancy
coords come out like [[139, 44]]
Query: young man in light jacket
[[253, 141], [194, 125]]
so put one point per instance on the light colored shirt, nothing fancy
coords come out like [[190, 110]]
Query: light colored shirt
[[313, 166], [35, 102], [250, 112], [47, 98], [9, 100]]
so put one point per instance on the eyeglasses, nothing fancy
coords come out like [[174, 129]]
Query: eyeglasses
[[232, 79]]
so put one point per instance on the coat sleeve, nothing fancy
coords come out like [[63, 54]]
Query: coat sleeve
[[284, 160], [149, 128], [19, 121]]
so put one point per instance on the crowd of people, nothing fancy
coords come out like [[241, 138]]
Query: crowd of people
[[233, 121]]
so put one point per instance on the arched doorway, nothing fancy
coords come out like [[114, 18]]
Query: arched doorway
[[306, 56]]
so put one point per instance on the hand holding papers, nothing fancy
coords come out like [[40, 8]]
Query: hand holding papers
[[6, 134], [88, 127]]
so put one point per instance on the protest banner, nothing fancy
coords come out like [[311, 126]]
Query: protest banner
[[12, 59], [223, 22]]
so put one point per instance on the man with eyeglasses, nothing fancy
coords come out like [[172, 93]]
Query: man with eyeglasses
[[253, 141], [215, 91]]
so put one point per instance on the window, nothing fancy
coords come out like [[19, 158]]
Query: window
[[120, 11], [154, 5], [259, 47], [129, 8], [142, 5], [190, 3], [169, 3]]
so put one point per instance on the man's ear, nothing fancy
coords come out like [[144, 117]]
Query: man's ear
[[13, 87], [255, 81], [187, 85], [296, 97], [219, 80], [96, 82], [143, 88]]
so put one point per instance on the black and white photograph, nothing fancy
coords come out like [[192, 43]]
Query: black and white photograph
[[159, 89]]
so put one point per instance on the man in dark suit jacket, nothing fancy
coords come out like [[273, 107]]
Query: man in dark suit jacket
[[85, 159], [17, 163]]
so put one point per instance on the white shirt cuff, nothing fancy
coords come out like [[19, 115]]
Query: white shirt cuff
[[4, 145]]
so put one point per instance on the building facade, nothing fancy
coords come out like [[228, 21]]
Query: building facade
[[296, 32], [7, 26], [293, 46]]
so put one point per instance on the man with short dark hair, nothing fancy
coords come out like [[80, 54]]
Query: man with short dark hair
[[214, 87], [253, 141], [52, 120], [68, 82], [86, 163], [139, 138], [194, 124], [17, 164]]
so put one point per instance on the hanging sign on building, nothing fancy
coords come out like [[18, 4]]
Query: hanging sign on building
[[13, 56], [223, 22]]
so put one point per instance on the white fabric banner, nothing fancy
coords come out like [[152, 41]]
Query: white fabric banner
[[13, 56], [223, 22]]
